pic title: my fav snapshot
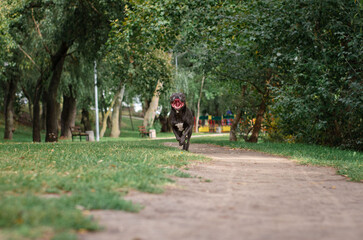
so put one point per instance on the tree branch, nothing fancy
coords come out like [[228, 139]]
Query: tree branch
[[68, 54], [39, 33], [29, 57], [95, 9]]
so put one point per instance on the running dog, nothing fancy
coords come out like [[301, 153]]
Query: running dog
[[181, 120]]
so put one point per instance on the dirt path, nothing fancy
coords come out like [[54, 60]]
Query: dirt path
[[249, 196]]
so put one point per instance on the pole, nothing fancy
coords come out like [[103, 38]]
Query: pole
[[96, 105], [176, 63]]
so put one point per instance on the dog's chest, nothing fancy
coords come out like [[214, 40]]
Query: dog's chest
[[180, 126]]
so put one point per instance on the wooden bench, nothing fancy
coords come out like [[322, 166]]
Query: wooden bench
[[143, 132], [76, 131]]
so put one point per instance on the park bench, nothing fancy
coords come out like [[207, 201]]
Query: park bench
[[143, 132], [76, 131]]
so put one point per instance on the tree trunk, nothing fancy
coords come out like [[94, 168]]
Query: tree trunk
[[36, 118], [198, 106], [39, 121], [36, 111], [109, 122], [52, 109], [44, 111], [145, 106], [120, 118], [165, 126], [107, 114], [115, 129], [149, 116], [132, 124], [232, 133], [259, 118], [85, 120], [9, 107], [26, 94], [68, 116]]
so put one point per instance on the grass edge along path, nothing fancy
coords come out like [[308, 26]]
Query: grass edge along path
[[347, 162], [47, 189]]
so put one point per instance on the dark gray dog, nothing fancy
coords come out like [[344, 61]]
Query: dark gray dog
[[181, 120]]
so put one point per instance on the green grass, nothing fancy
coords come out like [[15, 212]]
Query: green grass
[[347, 163], [24, 134], [46, 189]]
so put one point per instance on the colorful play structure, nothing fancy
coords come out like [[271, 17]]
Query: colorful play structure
[[216, 124]]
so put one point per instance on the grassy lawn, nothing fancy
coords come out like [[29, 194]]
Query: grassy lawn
[[347, 163], [47, 189]]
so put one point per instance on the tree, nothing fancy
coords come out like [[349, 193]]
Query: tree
[[10, 76], [320, 101], [70, 26]]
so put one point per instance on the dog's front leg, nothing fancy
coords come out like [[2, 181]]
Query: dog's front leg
[[186, 131], [189, 137], [176, 133]]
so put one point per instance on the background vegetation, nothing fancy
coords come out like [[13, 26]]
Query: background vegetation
[[289, 69], [294, 66]]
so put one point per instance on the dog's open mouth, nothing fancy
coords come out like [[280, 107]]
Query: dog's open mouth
[[177, 104]]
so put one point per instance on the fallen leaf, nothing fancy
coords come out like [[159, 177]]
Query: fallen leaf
[[82, 231]]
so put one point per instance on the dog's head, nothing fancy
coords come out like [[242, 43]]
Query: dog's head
[[177, 101]]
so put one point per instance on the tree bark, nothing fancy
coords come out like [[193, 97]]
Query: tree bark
[[85, 120], [36, 111], [149, 116], [115, 128], [52, 109], [68, 116], [44, 111], [120, 118], [27, 95], [232, 133], [259, 118], [198, 106], [107, 114], [9, 107], [132, 124], [36, 118], [165, 126]]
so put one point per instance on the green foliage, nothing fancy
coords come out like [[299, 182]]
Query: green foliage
[[306, 56], [320, 100]]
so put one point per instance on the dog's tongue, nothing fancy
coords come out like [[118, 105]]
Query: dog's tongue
[[177, 104]]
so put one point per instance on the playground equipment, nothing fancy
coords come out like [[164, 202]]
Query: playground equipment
[[215, 123]]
